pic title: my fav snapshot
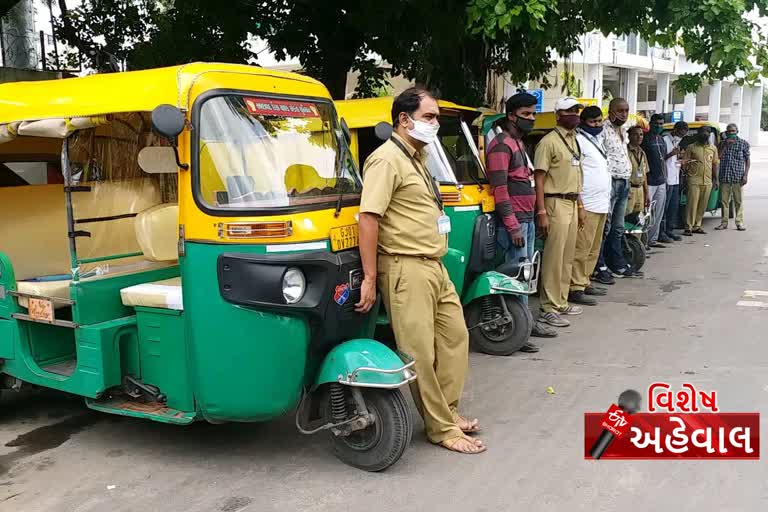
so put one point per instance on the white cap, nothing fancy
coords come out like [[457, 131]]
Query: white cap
[[567, 103]]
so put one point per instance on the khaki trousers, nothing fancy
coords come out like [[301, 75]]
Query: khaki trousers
[[428, 322], [728, 191], [588, 243], [557, 260], [697, 197]]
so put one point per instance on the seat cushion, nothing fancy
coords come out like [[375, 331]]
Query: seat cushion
[[57, 289], [159, 294]]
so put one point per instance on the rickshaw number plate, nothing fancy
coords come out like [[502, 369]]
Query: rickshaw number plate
[[41, 309], [344, 237]]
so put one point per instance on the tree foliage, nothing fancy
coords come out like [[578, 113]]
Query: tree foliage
[[451, 46]]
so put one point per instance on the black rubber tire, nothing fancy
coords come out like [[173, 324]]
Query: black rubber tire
[[383, 443], [634, 252], [513, 340]]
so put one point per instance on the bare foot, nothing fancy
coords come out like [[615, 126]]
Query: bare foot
[[464, 445], [468, 426]]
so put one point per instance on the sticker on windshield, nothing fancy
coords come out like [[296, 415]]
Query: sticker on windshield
[[261, 106]]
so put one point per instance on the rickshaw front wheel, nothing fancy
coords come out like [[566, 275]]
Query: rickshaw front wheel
[[499, 325], [634, 251], [381, 444]]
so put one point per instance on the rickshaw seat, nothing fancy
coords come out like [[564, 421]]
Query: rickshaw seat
[[164, 294], [157, 232], [300, 179], [54, 289]]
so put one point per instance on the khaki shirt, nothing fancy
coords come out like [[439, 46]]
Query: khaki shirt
[[554, 158], [404, 200], [639, 166], [699, 171]]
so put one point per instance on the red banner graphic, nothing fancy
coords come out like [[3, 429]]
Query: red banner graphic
[[679, 436]]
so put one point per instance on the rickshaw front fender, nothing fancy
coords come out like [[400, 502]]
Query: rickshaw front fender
[[494, 283], [365, 363]]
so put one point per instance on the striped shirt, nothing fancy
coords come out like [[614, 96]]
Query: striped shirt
[[509, 174]]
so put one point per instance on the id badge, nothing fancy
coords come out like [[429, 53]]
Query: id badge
[[444, 224]]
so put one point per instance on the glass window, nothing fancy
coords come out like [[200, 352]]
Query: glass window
[[259, 152], [454, 161], [16, 174]]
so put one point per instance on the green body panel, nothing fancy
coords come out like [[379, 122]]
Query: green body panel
[[163, 355], [7, 339], [7, 284], [460, 243], [246, 365], [487, 281], [97, 353], [350, 355], [99, 300], [165, 415], [713, 203], [48, 343]]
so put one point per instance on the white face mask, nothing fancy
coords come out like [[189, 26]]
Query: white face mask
[[423, 131]]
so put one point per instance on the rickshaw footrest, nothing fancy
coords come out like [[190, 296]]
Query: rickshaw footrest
[[151, 411]]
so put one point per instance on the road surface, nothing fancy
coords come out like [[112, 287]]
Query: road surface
[[681, 323]]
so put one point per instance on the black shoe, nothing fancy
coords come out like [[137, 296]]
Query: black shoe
[[605, 277], [542, 330], [628, 272], [687, 232], [529, 348], [579, 297], [699, 231], [665, 239], [674, 237], [657, 245], [597, 292]]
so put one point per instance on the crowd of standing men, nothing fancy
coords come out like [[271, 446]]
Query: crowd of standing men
[[584, 178], [589, 175]]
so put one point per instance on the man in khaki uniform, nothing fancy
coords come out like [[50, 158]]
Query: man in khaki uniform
[[638, 180], [559, 211], [403, 236], [701, 173]]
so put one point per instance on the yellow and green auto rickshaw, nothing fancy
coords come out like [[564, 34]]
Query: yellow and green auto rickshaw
[[498, 321], [180, 244]]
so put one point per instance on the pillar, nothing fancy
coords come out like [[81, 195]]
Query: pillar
[[715, 93], [757, 111], [662, 93], [629, 88], [689, 107], [737, 92], [593, 83]]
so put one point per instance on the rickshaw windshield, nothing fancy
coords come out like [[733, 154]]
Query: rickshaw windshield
[[257, 153], [453, 159]]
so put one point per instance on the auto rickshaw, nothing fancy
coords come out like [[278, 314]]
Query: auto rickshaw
[[498, 322], [717, 135], [180, 244]]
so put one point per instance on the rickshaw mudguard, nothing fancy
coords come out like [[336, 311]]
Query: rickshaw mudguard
[[365, 363], [493, 283]]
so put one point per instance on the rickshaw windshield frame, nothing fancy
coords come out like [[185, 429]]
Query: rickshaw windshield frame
[[449, 160], [347, 198]]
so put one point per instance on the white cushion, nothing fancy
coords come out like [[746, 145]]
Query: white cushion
[[164, 294]]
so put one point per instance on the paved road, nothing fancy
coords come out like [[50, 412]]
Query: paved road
[[681, 323]]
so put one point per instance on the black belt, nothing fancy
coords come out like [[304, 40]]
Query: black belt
[[635, 186], [569, 197], [622, 179]]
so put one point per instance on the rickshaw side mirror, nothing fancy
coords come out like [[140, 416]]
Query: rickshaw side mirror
[[345, 131], [168, 121], [383, 131]]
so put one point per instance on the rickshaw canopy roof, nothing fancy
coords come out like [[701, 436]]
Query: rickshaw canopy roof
[[369, 112], [132, 91]]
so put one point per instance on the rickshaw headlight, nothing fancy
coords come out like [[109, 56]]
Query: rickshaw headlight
[[527, 271], [294, 285]]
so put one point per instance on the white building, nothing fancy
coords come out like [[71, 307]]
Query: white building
[[628, 67]]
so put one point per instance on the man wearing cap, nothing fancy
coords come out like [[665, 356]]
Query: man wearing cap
[[559, 211], [509, 173]]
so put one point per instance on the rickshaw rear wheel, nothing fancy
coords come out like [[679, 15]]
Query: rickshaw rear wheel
[[502, 340], [634, 251], [381, 444]]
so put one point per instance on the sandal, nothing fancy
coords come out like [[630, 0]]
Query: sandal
[[467, 426], [465, 445]]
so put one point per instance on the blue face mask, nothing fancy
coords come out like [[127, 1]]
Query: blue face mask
[[592, 130]]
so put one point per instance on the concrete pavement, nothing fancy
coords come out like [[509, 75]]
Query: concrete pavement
[[680, 323]]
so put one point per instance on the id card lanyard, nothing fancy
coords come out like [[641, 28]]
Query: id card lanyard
[[576, 156], [443, 222]]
